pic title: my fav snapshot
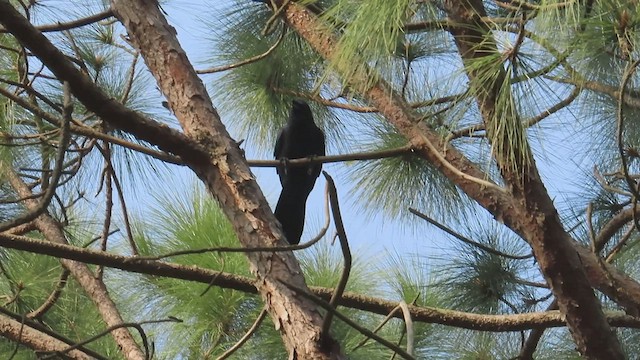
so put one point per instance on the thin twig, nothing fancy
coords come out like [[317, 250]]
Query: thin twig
[[467, 240], [592, 233], [109, 171], [108, 198], [305, 245], [53, 297], [367, 109], [530, 344], [382, 323], [71, 24], [57, 170], [633, 187], [246, 336], [346, 253], [249, 60], [89, 132], [623, 241], [370, 155]]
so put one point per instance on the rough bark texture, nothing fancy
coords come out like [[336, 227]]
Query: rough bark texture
[[207, 149], [229, 179], [527, 209], [559, 262], [430, 146], [93, 287], [36, 340]]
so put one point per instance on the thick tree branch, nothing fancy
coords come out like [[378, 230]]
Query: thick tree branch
[[34, 339], [542, 227], [505, 208], [91, 95], [471, 321], [95, 289], [519, 214], [221, 166], [228, 178]]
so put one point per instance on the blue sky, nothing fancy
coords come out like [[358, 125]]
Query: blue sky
[[376, 233]]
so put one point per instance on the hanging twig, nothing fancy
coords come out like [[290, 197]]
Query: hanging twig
[[531, 343], [108, 198], [633, 187], [109, 171], [346, 253], [409, 327]]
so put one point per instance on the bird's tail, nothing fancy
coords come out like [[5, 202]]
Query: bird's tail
[[290, 211]]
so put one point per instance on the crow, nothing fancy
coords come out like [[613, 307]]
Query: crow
[[299, 138]]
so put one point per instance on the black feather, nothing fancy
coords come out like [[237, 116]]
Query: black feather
[[299, 138]]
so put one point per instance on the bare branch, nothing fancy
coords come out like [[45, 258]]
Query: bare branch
[[246, 336], [371, 155], [466, 240], [71, 24], [408, 326], [480, 322], [346, 252], [249, 60]]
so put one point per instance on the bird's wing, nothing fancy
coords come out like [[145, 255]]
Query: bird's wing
[[277, 150]]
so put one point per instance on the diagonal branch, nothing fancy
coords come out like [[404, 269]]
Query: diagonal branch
[[225, 173], [95, 289], [505, 208], [534, 219], [35, 339], [542, 227]]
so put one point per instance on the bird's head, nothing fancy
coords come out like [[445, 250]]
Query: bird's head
[[300, 110]]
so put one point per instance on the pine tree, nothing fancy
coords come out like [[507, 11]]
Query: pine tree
[[132, 225]]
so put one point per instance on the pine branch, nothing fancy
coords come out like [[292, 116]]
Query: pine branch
[[95, 289], [432, 315]]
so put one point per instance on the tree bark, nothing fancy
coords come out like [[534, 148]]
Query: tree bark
[[93, 287], [36, 340], [207, 149], [229, 179], [559, 262], [527, 209]]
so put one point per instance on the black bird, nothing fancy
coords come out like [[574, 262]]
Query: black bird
[[299, 138]]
